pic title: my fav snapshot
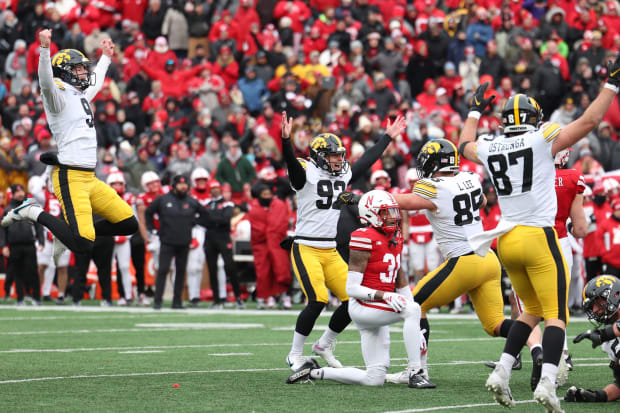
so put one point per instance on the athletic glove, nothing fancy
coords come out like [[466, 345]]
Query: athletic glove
[[613, 68], [478, 103], [581, 395], [597, 337], [346, 198], [396, 301]]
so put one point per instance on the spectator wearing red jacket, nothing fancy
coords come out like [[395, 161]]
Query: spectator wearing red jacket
[[314, 42], [227, 24], [32, 57], [134, 10], [599, 211], [428, 98], [107, 10], [557, 59], [174, 82], [272, 264], [160, 55], [246, 16], [296, 10], [450, 79], [582, 18], [85, 14], [610, 228], [227, 67], [326, 23]]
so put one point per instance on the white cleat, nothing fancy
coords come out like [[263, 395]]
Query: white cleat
[[398, 378], [29, 209], [499, 384], [59, 249], [121, 302], [563, 370], [143, 300], [296, 362], [327, 354], [545, 395]]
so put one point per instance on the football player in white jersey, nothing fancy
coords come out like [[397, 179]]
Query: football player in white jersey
[[380, 296], [317, 264], [67, 88], [601, 301], [451, 201], [521, 165]]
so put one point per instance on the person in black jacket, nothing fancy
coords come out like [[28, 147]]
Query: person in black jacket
[[218, 242], [18, 246], [178, 213]]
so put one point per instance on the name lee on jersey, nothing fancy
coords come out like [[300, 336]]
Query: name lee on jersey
[[465, 185]]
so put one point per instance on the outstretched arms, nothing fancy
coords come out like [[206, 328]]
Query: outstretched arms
[[52, 97], [296, 172]]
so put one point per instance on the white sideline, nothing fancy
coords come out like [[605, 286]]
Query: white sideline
[[462, 406]]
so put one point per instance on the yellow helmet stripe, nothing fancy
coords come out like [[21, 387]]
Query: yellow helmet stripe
[[456, 152], [516, 109]]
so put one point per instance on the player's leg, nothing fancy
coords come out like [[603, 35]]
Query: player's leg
[[30, 269], [123, 257], [195, 261], [231, 270], [165, 260], [62, 275], [102, 257], [180, 262], [335, 279], [138, 261], [307, 265], [46, 269], [118, 217], [211, 257]]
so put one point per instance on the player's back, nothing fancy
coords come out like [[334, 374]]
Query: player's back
[[458, 199], [523, 172], [317, 219], [568, 183], [384, 261]]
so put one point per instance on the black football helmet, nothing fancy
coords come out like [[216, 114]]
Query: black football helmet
[[63, 63], [521, 114], [328, 144], [438, 155], [603, 290]]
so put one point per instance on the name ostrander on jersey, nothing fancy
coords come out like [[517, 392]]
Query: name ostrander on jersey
[[68, 111], [316, 217], [458, 200], [523, 172]]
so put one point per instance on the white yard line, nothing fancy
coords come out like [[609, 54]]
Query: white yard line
[[461, 406], [141, 352], [230, 354]]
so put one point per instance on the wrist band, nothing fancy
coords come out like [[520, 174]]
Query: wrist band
[[474, 114], [611, 87]]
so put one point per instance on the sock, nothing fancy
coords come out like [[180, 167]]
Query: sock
[[550, 371], [553, 338], [517, 337], [412, 337], [425, 329], [565, 348], [535, 351], [327, 338], [507, 361], [504, 328], [316, 374], [297, 349]]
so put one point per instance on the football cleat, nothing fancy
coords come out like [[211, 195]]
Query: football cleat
[[143, 300], [517, 365], [563, 370], [418, 381], [327, 354], [285, 302], [106, 303], [398, 378], [59, 249], [121, 302], [545, 395], [499, 384], [29, 209], [536, 371], [295, 362], [569, 362], [302, 374], [240, 304]]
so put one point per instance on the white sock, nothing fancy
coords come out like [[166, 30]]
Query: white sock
[[48, 279], [316, 374], [412, 338], [549, 370], [327, 338], [507, 361], [297, 349]]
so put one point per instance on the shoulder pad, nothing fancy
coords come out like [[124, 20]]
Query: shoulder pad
[[60, 85], [487, 137], [550, 131], [426, 188], [303, 162]]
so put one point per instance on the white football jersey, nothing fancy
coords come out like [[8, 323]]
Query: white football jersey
[[69, 114], [612, 348], [458, 199], [523, 173], [317, 220]]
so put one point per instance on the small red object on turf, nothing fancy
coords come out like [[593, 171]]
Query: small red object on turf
[[175, 385]]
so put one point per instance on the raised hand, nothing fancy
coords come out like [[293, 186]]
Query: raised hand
[[396, 128], [479, 103], [287, 126], [45, 38], [107, 46], [613, 68]]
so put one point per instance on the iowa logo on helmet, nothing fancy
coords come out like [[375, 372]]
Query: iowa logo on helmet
[[605, 279], [432, 147], [61, 58]]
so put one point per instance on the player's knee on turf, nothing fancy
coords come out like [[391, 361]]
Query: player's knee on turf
[[375, 376], [412, 309]]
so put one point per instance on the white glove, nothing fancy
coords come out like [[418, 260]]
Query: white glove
[[396, 301]]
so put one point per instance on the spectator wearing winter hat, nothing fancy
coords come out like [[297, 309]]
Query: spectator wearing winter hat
[[161, 54], [174, 82], [226, 67], [16, 66], [555, 21], [480, 32], [389, 61], [44, 139], [296, 10], [450, 79], [382, 95], [438, 42]]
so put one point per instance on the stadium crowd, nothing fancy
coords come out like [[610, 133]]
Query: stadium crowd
[[203, 84]]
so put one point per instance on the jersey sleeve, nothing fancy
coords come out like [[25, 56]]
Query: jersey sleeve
[[581, 183], [100, 71], [426, 189], [302, 162], [550, 131], [481, 147], [361, 240], [50, 88]]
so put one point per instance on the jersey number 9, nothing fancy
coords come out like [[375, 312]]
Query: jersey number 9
[[328, 189]]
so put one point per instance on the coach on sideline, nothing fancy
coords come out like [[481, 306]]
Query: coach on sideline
[[178, 213]]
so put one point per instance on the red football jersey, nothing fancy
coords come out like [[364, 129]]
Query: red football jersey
[[490, 219], [593, 242], [568, 184], [147, 198], [203, 197], [384, 261], [420, 229], [610, 229], [52, 204]]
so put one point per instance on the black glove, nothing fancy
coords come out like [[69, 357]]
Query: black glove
[[614, 72], [346, 198], [597, 337], [581, 395], [287, 243], [478, 102]]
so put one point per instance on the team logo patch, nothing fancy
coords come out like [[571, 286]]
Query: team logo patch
[[432, 147], [61, 58], [605, 279]]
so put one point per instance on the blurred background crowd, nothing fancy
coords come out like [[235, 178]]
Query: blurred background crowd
[[203, 83]]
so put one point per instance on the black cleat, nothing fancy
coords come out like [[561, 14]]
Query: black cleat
[[517, 365], [47, 299], [60, 301], [569, 362], [418, 381], [302, 374], [194, 302], [178, 307], [156, 306], [536, 371]]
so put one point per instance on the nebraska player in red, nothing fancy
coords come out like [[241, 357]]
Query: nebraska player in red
[[38, 187], [196, 256], [380, 296], [610, 229], [598, 210]]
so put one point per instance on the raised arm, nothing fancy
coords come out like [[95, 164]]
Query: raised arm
[[296, 171], [468, 135], [410, 202], [593, 115], [102, 67], [371, 156], [49, 91]]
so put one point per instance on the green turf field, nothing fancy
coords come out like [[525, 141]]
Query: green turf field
[[88, 359]]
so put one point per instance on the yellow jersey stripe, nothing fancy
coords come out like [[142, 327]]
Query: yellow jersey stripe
[[302, 162], [426, 187], [553, 135], [424, 193], [550, 130]]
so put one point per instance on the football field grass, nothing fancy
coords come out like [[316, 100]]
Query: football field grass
[[92, 359]]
